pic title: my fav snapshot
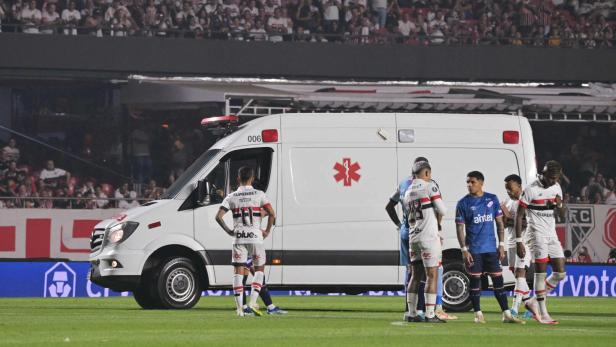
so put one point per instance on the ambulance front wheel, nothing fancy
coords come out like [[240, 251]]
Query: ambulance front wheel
[[456, 287], [177, 283]]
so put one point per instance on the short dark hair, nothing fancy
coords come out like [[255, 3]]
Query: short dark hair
[[567, 253], [245, 173], [418, 159], [552, 167], [515, 178], [476, 174]]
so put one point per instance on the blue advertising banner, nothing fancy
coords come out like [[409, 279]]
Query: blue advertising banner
[[62, 280]]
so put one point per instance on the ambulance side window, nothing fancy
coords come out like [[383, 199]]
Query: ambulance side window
[[216, 178], [260, 159]]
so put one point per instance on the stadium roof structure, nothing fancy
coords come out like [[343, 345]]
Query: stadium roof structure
[[258, 97]]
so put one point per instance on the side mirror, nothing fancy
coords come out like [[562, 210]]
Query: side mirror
[[203, 192]]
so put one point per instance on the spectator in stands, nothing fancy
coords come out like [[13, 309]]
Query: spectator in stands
[[50, 19], [569, 257], [101, 200], [277, 26], [130, 202], [58, 202], [584, 256], [11, 172], [612, 256], [53, 177], [380, 8], [30, 18], [152, 192], [258, 33], [44, 202], [3, 11], [121, 193], [331, 14], [610, 196], [94, 23], [71, 18], [406, 25], [23, 195], [10, 152]]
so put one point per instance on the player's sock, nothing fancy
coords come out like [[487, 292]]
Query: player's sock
[[257, 282], [238, 289], [439, 288], [499, 292], [411, 301], [540, 292], [520, 293], [245, 290], [430, 303], [265, 295], [407, 279], [476, 292], [421, 303], [552, 281]]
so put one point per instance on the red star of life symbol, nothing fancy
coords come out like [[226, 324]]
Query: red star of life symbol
[[236, 256], [347, 172]]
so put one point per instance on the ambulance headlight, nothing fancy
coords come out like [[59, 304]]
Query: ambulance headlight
[[121, 232]]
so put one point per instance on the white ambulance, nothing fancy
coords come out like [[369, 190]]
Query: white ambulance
[[329, 177]]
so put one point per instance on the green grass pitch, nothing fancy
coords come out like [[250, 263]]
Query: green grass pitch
[[312, 321]]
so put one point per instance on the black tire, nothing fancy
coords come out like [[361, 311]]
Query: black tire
[[456, 287], [146, 298], [177, 283]]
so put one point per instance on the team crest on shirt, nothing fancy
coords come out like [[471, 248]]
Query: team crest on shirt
[[434, 189], [490, 203]]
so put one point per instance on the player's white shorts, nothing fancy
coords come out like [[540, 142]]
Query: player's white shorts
[[545, 247], [429, 252], [242, 252], [516, 262]]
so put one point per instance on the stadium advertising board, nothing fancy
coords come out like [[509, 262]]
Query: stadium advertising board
[[70, 279]]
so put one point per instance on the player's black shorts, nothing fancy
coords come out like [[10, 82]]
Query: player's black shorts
[[485, 263]]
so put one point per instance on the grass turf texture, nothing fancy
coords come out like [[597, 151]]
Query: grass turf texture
[[312, 321]]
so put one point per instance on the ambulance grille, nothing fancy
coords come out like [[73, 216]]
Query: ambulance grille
[[97, 240]]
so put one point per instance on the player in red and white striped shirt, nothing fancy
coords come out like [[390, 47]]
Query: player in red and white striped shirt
[[246, 204], [540, 200]]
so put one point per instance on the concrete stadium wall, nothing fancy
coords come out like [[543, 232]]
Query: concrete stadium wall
[[90, 57]]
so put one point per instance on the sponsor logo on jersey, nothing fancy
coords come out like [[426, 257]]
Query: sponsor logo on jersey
[[245, 235], [482, 218]]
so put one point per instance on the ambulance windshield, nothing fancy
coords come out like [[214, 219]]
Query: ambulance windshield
[[189, 173]]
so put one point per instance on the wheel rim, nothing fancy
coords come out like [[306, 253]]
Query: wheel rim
[[180, 284], [455, 288]]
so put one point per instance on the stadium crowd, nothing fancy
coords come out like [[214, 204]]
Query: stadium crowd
[[24, 186], [553, 23]]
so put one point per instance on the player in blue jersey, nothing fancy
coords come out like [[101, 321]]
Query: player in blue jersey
[[398, 197], [476, 214]]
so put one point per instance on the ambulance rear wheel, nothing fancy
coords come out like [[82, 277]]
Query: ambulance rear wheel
[[177, 283], [456, 287]]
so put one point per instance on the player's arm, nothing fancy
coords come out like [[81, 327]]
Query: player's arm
[[466, 255], [391, 212], [519, 227], [507, 216], [394, 199], [560, 207], [221, 213], [500, 231], [460, 232], [271, 219]]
